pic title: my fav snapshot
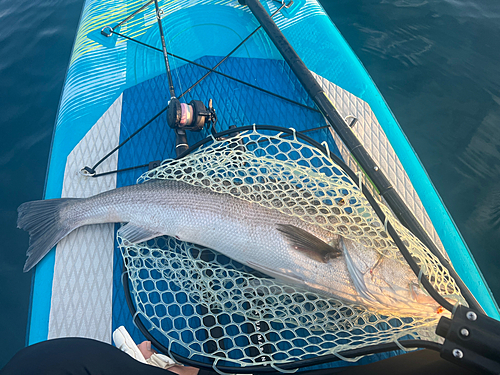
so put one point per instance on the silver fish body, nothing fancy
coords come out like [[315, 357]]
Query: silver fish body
[[281, 246]]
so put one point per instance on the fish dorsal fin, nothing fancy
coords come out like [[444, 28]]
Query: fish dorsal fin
[[136, 234], [308, 244]]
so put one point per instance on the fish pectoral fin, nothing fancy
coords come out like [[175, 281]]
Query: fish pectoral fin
[[287, 277], [357, 276], [308, 244], [136, 234]]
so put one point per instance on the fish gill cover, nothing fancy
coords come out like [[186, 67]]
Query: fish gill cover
[[202, 304]]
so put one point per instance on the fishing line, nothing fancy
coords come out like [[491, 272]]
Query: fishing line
[[90, 171], [227, 56], [155, 163], [218, 73]]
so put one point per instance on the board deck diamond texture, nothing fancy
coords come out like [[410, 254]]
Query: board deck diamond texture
[[82, 286]]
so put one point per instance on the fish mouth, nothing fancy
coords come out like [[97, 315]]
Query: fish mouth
[[401, 302]]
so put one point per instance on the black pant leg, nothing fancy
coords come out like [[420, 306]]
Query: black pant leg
[[76, 356]]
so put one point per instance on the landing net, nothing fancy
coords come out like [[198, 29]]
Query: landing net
[[204, 305]]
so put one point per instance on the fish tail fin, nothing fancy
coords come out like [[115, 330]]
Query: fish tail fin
[[42, 219]]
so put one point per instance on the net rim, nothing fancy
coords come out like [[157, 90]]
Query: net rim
[[250, 368]]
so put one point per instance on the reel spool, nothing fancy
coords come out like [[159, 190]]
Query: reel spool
[[193, 116]]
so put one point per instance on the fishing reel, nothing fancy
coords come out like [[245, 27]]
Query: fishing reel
[[193, 116]]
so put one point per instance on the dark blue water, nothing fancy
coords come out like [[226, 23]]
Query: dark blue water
[[35, 45], [436, 62]]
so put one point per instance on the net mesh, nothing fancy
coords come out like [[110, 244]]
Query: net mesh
[[203, 304]]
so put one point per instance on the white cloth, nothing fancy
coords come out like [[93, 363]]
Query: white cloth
[[161, 361]]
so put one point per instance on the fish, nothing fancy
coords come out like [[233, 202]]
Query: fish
[[281, 246]]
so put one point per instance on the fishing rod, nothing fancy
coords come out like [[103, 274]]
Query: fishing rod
[[159, 13], [181, 142]]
